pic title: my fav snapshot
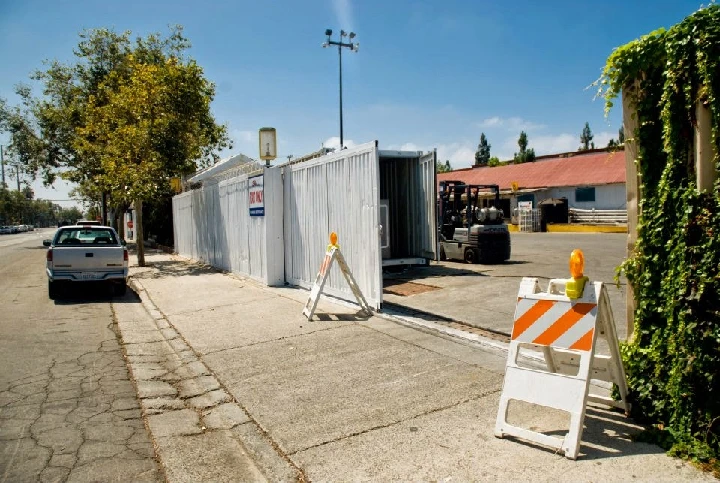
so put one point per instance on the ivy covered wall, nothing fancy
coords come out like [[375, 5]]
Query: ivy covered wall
[[673, 360]]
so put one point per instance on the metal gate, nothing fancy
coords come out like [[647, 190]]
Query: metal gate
[[338, 192]]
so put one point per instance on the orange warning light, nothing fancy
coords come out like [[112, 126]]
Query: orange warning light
[[575, 286], [577, 263], [333, 238]]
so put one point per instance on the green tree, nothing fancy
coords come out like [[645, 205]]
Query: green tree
[[525, 155], [122, 119], [586, 138], [444, 167], [494, 161], [613, 143], [69, 214], [482, 155]]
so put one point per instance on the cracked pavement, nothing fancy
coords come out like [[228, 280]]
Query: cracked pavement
[[68, 408], [229, 382]]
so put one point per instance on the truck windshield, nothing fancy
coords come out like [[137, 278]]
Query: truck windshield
[[86, 236]]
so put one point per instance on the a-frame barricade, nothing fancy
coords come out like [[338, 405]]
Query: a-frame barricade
[[566, 331], [333, 253]]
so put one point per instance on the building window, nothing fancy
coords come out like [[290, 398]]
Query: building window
[[584, 194]]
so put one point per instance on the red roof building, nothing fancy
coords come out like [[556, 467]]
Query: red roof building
[[580, 184], [593, 168]]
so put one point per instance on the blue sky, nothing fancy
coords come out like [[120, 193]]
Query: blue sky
[[428, 74]]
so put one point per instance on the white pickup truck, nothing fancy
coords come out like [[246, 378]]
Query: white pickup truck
[[86, 253]]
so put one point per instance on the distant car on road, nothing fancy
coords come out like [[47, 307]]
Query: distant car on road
[[5, 230], [86, 253]]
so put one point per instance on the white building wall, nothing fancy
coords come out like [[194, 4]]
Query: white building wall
[[213, 225], [607, 197]]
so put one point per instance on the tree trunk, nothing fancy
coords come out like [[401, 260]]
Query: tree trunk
[[120, 221], [139, 233]]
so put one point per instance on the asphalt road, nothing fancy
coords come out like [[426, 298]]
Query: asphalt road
[[68, 410], [484, 296]]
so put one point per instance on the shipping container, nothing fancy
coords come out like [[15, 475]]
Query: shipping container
[[381, 204]]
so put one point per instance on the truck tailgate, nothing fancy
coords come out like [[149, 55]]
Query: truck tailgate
[[88, 259]]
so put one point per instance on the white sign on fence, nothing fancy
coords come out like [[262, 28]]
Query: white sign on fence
[[257, 196]]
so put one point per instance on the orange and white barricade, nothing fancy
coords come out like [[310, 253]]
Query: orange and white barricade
[[333, 253], [566, 332]]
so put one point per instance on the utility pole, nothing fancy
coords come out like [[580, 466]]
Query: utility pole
[[17, 174], [2, 163]]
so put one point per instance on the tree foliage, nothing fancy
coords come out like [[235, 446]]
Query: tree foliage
[[586, 139], [444, 167], [482, 155], [620, 141], [494, 161], [672, 361], [17, 209], [121, 119], [525, 155]]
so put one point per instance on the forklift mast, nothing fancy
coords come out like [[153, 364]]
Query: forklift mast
[[472, 196]]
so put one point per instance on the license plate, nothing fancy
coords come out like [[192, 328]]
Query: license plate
[[88, 276]]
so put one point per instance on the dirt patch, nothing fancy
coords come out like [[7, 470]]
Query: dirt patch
[[404, 288]]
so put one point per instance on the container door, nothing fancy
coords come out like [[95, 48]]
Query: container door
[[338, 192], [428, 181]]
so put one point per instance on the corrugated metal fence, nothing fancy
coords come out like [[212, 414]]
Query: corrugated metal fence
[[213, 225], [337, 193]]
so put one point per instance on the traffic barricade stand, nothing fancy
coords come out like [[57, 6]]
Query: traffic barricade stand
[[331, 254], [566, 331]]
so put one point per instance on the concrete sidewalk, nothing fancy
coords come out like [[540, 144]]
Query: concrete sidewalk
[[236, 385]]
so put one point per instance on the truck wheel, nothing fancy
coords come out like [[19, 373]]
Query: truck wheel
[[52, 290], [470, 256], [443, 257], [121, 288]]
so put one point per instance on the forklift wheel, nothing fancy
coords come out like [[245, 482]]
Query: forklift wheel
[[470, 256], [443, 257]]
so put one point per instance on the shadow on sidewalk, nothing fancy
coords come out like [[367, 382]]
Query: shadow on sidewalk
[[172, 268], [607, 434], [442, 269], [359, 316]]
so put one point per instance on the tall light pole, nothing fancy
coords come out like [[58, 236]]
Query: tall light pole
[[352, 46]]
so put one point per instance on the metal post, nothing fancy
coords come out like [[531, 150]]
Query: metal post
[[17, 172], [341, 114]]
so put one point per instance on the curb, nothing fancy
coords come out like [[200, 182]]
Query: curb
[[193, 419]]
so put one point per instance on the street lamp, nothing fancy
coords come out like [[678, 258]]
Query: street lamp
[[354, 46]]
